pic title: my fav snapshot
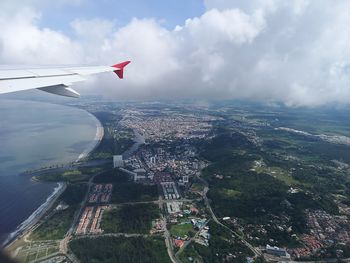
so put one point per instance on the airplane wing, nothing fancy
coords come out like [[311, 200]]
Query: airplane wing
[[52, 80]]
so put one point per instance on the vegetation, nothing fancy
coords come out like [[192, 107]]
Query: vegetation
[[120, 249], [130, 192], [124, 190], [122, 139], [279, 174], [93, 170], [189, 254], [71, 176], [112, 142], [180, 230], [110, 146], [262, 195], [258, 193], [56, 226], [197, 186], [130, 219], [112, 176], [56, 223], [222, 247], [74, 194]]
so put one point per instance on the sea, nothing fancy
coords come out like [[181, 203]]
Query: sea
[[35, 135]]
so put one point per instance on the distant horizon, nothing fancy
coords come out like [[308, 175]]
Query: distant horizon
[[37, 96]]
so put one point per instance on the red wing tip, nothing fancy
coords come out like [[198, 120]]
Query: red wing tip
[[120, 68], [121, 65]]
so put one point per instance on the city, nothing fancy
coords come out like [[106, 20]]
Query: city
[[165, 185], [184, 131]]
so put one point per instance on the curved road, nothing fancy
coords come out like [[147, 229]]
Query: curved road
[[206, 200]]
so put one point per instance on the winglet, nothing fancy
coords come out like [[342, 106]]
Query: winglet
[[120, 68]]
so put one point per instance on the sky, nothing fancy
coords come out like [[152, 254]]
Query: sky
[[293, 52]]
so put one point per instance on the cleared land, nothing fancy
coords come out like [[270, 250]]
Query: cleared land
[[180, 230]]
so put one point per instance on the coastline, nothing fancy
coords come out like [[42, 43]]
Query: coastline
[[33, 219], [96, 141], [27, 225]]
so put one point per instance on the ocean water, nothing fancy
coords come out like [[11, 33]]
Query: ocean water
[[32, 135]]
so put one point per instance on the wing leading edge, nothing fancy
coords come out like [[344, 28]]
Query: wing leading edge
[[52, 80]]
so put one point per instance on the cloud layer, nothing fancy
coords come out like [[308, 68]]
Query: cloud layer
[[295, 52]]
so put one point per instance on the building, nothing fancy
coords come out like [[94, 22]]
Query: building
[[276, 251], [118, 161], [140, 174], [179, 243], [173, 207], [153, 160], [170, 190], [185, 179]]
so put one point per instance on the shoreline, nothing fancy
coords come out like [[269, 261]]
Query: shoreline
[[34, 218], [28, 224], [96, 141]]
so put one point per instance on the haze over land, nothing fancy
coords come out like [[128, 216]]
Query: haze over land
[[294, 52]]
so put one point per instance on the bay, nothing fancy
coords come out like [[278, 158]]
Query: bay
[[32, 135]]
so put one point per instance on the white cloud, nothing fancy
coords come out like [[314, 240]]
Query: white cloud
[[233, 26], [22, 41], [295, 52]]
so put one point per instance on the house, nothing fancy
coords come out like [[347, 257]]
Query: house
[[179, 243]]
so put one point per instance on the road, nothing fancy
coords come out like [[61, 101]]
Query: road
[[167, 237], [168, 240], [113, 235], [206, 201], [191, 239], [159, 202], [63, 247]]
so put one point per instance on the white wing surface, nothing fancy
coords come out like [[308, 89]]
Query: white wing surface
[[52, 80]]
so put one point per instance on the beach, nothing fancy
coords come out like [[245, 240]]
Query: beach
[[30, 222], [95, 142]]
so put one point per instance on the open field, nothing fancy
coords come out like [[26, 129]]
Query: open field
[[180, 230], [36, 250], [280, 174]]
